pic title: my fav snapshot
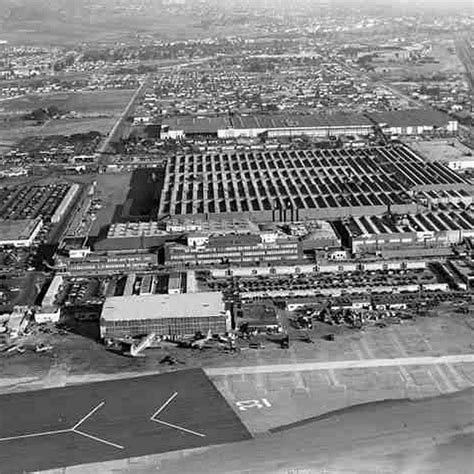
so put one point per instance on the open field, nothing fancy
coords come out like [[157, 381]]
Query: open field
[[113, 420], [13, 132], [100, 110], [104, 102], [84, 125], [105, 27]]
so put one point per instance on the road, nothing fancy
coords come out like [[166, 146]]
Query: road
[[116, 129], [465, 54], [341, 364]]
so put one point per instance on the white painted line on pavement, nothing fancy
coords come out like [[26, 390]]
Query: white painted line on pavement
[[175, 394], [95, 438], [341, 364], [82, 420], [35, 435], [180, 428]]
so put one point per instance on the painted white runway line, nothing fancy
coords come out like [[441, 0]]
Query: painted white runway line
[[170, 425], [162, 408], [180, 428], [68, 430], [82, 420], [340, 364], [35, 435], [95, 438]]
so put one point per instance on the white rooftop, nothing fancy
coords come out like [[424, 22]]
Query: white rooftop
[[144, 307]]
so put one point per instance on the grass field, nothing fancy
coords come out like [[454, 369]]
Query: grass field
[[72, 126], [105, 102], [101, 108]]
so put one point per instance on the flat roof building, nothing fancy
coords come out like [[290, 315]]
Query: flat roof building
[[294, 185], [273, 125], [19, 233], [288, 125], [171, 316], [203, 249], [414, 122], [431, 229]]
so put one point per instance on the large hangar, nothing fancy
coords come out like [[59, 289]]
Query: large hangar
[[169, 316]]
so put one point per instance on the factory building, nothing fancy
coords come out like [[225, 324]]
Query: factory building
[[464, 270], [106, 264], [65, 203], [414, 122], [275, 126], [306, 269], [249, 249], [178, 128], [19, 233], [49, 310], [170, 316], [132, 235], [289, 186], [433, 229], [272, 126]]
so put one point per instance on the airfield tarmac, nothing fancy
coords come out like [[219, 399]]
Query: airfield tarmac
[[274, 388]]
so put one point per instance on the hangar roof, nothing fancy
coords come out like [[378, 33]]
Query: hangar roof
[[145, 307]]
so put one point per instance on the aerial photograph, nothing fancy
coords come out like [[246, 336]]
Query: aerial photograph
[[237, 236]]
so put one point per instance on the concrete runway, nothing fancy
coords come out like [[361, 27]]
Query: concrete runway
[[434, 436]]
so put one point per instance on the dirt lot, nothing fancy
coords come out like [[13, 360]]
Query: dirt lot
[[112, 190]]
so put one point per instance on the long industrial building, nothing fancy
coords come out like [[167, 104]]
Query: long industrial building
[[170, 316], [271, 126], [432, 229], [106, 264], [414, 122], [203, 249], [285, 186]]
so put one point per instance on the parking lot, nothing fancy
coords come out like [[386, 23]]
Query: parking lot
[[29, 202], [80, 291], [322, 281]]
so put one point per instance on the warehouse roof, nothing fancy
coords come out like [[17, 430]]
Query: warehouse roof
[[298, 121], [17, 229], [234, 240], [412, 118], [145, 307], [197, 124]]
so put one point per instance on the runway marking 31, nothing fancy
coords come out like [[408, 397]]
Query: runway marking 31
[[245, 405]]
